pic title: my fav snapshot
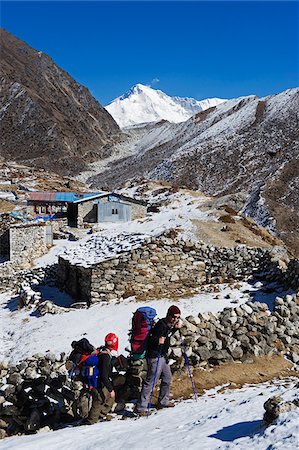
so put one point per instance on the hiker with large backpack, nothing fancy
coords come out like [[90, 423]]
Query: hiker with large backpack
[[158, 366], [94, 367], [103, 396], [142, 323]]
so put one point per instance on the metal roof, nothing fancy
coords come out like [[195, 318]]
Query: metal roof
[[63, 197]]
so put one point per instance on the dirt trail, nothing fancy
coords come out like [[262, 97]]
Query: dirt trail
[[261, 370]]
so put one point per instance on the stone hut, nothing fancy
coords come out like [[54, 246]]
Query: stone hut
[[81, 208], [153, 267]]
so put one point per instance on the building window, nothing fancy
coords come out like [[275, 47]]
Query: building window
[[114, 211]]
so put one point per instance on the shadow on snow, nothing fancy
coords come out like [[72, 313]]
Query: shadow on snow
[[238, 430]]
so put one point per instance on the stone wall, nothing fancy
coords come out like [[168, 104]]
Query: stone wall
[[37, 392], [11, 279], [87, 212], [4, 244], [75, 280], [161, 267], [138, 211], [236, 334], [27, 243], [233, 335], [285, 274]]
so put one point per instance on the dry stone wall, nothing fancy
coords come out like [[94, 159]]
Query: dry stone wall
[[37, 392], [238, 333], [161, 267], [27, 243]]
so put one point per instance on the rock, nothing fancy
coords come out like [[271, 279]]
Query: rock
[[79, 305], [50, 357], [295, 357], [177, 352], [246, 308], [193, 320], [15, 378], [202, 340], [275, 406], [3, 433], [203, 353], [237, 353], [3, 424]]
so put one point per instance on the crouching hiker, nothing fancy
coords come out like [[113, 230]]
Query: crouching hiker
[[103, 396], [158, 366]]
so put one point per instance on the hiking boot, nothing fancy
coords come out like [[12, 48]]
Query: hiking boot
[[140, 413], [106, 418], [160, 406]]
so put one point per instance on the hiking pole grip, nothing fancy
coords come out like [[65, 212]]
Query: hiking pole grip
[[154, 381], [188, 366]]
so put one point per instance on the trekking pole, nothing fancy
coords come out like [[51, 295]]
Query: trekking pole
[[153, 386], [188, 366]]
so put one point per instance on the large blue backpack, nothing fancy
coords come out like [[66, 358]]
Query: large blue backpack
[[90, 371], [142, 322]]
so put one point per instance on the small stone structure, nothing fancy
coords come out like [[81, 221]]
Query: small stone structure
[[22, 243], [160, 267], [29, 241]]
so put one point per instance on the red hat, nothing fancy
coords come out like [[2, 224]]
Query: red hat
[[172, 310], [111, 341]]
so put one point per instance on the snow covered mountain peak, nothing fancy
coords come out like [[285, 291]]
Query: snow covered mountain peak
[[143, 104], [136, 89]]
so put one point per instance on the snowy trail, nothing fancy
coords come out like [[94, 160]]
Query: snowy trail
[[227, 420], [26, 334]]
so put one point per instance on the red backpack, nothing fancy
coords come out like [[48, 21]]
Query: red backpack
[[142, 322]]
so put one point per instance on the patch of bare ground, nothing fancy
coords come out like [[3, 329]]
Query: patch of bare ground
[[236, 374], [6, 206], [231, 229], [224, 234]]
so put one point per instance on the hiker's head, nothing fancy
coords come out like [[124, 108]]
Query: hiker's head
[[173, 314], [111, 342]]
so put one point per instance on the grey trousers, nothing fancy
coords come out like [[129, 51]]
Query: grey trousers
[[164, 373]]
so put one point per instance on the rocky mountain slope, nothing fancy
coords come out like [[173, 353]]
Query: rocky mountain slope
[[248, 146], [47, 119], [143, 104]]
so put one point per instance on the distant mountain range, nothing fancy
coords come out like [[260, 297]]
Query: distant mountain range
[[143, 104], [47, 119], [247, 146]]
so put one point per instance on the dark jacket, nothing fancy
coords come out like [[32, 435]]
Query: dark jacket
[[161, 329], [105, 367]]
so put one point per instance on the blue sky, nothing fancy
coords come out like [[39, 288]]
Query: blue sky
[[195, 49]]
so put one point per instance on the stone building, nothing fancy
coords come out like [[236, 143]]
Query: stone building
[[156, 267], [80, 208], [20, 244]]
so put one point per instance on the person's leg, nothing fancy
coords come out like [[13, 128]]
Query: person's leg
[[107, 403], [101, 405], [166, 378], [148, 384], [95, 409]]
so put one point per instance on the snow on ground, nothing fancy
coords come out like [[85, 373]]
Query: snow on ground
[[60, 246], [123, 236], [228, 420], [24, 333], [7, 195]]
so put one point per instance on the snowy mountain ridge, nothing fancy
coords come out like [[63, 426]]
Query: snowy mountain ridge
[[143, 104]]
